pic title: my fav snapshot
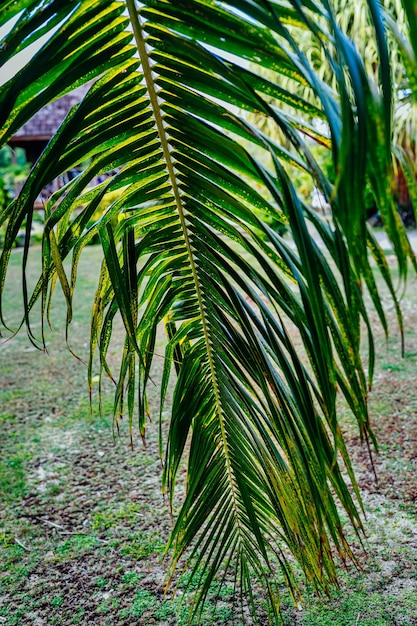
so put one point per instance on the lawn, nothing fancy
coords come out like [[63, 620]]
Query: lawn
[[83, 523]]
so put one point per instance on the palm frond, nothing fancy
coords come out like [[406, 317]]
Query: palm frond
[[186, 244]]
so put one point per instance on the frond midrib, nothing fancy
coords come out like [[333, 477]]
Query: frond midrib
[[153, 97]]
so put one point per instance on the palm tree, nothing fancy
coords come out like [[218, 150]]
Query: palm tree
[[186, 244]]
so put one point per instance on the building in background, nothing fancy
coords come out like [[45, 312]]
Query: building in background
[[35, 134]]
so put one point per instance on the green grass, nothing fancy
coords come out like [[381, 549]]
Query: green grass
[[142, 603], [13, 484], [364, 608]]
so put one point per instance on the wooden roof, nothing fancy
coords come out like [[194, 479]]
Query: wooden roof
[[44, 123]]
